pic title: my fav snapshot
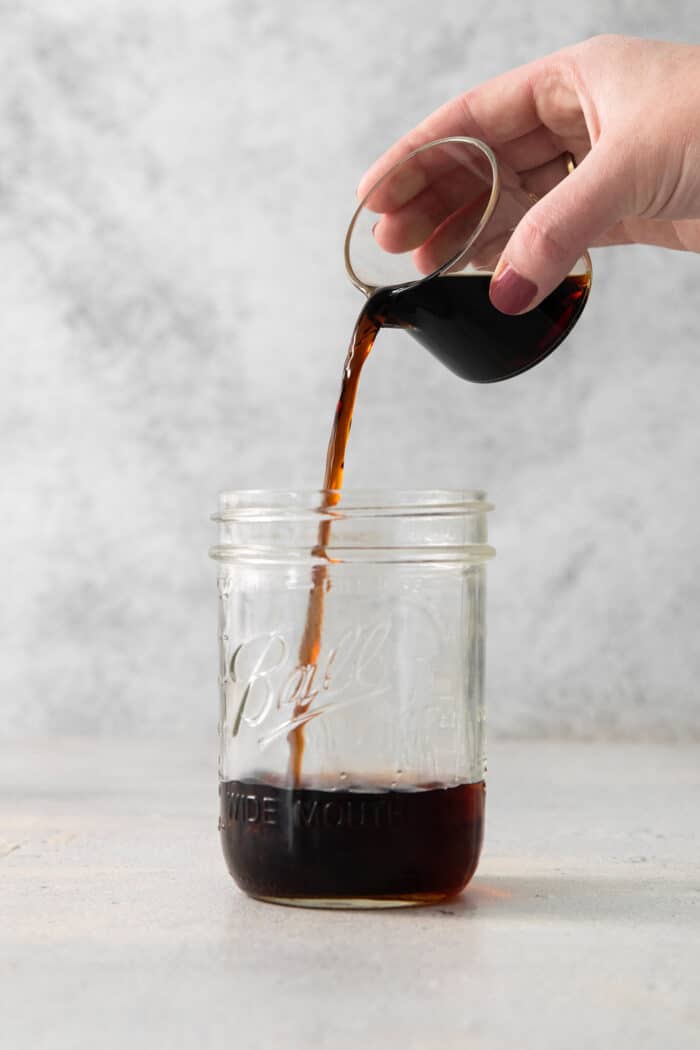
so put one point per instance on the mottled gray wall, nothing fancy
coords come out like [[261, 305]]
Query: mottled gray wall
[[174, 184]]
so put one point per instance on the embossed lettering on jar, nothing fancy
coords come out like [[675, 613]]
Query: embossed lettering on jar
[[385, 803]]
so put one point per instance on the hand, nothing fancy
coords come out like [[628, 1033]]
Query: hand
[[629, 112]]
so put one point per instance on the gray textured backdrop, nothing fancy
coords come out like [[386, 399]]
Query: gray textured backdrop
[[174, 184]]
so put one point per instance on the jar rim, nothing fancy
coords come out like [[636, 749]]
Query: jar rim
[[269, 505]]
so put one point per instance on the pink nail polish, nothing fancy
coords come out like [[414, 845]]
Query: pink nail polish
[[510, 292]]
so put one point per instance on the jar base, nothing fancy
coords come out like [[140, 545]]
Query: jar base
[[358, 903]]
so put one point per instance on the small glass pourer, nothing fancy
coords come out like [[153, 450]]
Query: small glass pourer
[[448, 210]]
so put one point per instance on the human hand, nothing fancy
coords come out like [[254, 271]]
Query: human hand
[[628, 110]]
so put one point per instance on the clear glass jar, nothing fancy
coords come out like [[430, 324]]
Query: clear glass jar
[[351, 725]]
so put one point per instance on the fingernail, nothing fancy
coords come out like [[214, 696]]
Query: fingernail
[[510, 292]]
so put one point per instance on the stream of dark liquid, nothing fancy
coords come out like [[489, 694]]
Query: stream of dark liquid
[[453, 318], [361, 344]]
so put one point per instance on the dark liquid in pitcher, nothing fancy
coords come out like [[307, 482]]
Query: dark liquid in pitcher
[[453, 318], [289, 841], [418, 845]]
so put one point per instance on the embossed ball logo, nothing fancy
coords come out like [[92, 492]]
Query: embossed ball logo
[[264, 679]]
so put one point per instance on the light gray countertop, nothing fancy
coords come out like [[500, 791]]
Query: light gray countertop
[[120, 926]]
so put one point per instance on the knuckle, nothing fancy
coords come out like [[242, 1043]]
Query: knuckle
[[542, 238], [603, 42]]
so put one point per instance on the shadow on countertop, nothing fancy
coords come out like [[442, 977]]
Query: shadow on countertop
[[586, 898]]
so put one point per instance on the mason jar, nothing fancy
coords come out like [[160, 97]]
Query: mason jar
[[351, 675]]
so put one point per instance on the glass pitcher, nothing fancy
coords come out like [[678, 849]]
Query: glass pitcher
[[423, 245]]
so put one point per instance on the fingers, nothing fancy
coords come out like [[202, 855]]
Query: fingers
[[450, 238], [542, 180], [444, 185], [532, 150], [497, 111], [557, 230], [430, 169], [411, 225], [453, 235]]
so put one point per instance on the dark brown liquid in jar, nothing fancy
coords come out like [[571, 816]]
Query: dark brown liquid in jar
[[419, 846]]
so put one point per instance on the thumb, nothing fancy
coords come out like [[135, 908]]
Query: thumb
[[557, 230]]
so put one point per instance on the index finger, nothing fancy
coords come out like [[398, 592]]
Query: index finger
[[496, 111]]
